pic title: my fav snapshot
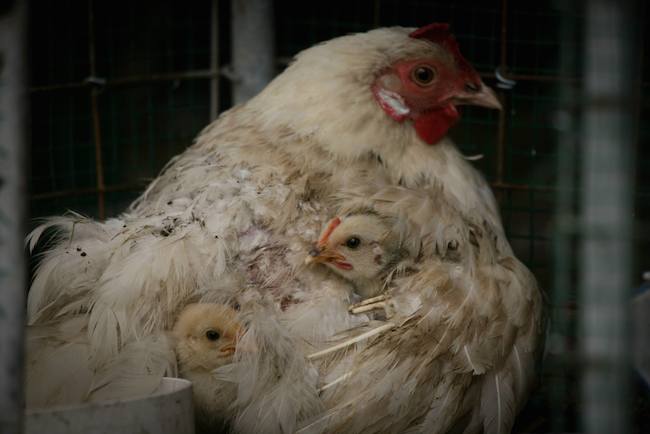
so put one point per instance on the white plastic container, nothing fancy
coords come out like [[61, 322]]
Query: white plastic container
[[168, 411]]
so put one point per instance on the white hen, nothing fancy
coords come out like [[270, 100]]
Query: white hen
[[235, 214]]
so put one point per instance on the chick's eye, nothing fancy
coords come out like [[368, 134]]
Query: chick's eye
[[423, 75], [452, 245], [212, 335], [352, 242]]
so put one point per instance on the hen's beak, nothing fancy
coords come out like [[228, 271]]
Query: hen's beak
[[480, 95]]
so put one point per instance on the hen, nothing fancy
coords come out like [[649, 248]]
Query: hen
[[231, 219]]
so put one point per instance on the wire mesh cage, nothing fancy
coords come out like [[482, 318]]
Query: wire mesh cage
[[114, 98], [119, 88]]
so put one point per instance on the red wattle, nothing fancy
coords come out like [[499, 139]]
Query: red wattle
[[433, 125]]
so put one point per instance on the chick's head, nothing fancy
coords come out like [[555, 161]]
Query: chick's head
[[206, 336], [357, 247]]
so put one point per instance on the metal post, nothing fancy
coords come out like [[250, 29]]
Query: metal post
[[607, 213], [558, 343], [96, 119], [13, 105], [253, 47], [214, 60]]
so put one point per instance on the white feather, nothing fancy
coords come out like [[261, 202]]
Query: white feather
[[59, 351]]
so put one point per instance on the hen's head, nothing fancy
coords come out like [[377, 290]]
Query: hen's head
[[206, 335], [357, 247], [375, 92], [426, 88]]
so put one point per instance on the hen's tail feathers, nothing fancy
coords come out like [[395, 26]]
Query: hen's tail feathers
[[136, 371], [72, 261]]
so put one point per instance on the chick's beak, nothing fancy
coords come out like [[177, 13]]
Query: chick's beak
[[313, 256], [320, 254], [228, 349], [478, 94]]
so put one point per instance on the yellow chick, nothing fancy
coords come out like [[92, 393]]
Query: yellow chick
[[206, 337], [361, 248]]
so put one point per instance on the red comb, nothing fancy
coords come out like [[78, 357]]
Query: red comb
[[330, 228], [438, 33], [435, 32]]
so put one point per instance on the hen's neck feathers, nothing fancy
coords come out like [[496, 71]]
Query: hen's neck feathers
[[320, 115]]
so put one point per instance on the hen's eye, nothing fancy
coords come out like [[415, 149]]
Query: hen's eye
[[212, 335], [423, 75], [353, 242]]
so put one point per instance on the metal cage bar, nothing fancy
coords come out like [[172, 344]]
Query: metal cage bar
[[607, 215], [13, 106], [214, 60], [253, 47]]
